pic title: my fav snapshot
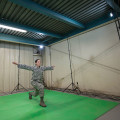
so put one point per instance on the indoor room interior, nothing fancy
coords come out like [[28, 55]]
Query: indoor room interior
[[59, 60]]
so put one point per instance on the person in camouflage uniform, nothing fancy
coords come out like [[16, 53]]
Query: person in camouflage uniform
[[37, 79]]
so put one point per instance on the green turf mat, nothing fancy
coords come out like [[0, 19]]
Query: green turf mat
[[60, 106]]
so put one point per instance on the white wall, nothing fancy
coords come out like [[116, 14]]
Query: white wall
[[9, 52], [47, 62], [95, 61]]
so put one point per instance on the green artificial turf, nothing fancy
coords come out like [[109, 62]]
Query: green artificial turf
[[60, 106]]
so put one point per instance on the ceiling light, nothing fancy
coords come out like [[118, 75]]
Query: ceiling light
[[41, 46], [111, 14], [40, 33], [12, 28]]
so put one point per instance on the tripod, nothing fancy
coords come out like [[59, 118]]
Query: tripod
[[3, 92], [74, 87], [18, 85]]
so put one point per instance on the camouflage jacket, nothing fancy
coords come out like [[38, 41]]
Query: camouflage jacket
[[37, 74]]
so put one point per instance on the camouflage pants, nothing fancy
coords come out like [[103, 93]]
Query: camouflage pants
[[39, 89]]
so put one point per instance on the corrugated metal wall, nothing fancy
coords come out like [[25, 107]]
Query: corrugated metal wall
[[26, 57], [95, 61], [9, 52]]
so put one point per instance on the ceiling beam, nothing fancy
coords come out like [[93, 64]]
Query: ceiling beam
[[46, 40], [40, 9], [113, 5], [90, 25], [31, 29], [16, 39]]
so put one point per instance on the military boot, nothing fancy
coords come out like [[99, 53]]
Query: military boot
[[30, 96], [42, 102]]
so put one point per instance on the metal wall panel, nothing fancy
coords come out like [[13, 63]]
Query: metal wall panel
[[9, 52]]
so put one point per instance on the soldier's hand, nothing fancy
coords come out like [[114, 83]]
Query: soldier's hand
[[15, 63]]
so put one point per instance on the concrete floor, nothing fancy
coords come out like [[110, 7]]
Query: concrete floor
[[113, 114]]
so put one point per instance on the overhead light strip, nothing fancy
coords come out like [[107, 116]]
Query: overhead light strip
[[12, 28]]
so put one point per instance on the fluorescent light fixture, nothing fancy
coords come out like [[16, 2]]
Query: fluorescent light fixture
[[111, 14], [12, 28], [40, 33], [41, 46]]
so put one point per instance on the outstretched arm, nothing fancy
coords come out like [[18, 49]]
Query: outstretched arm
[[21, 66], [48, 68]]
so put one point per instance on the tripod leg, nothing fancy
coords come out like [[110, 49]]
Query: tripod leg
[[3, 92], [79, 90], [76, 89], [67, 87], [14, 89], [23, 87]]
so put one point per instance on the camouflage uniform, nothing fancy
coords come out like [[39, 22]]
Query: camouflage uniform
[[37, 78]]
